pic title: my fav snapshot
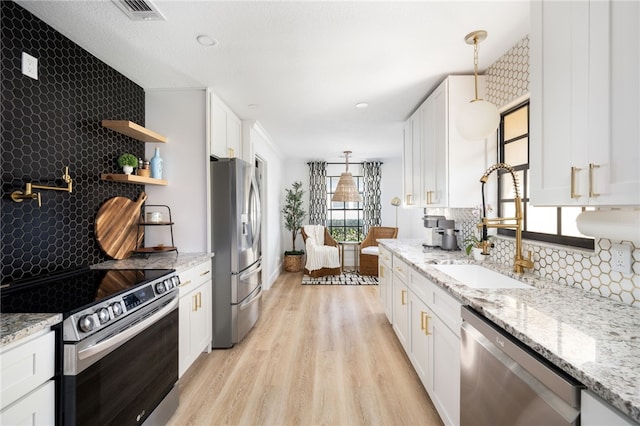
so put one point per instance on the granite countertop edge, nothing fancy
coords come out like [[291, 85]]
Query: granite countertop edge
[[178, 261], [613, 326], [14, 327]]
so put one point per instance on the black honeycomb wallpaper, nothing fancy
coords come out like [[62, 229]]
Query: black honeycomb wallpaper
[[50, 123]]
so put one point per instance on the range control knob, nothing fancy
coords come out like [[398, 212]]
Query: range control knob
[[117, 309], [169, 283], [86, 323], [103, 315], [161, 288]]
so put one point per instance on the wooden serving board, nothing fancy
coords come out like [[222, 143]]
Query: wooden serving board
[[116, 226]]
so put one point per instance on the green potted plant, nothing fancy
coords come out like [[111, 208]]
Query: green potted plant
[[293, 214], [473, 243], [127, 162]]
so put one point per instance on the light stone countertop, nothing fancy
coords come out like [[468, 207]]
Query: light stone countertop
[[594, 339], [170, 260], [14, 327]]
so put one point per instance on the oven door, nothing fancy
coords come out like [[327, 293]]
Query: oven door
[[128, 374]]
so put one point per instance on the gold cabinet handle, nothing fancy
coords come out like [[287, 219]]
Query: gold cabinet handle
[[199, 300], [574, 171], [424, 323], [402, 296], [184, 284], [592, 193], [194, 306], [381, 271], [204, 273], [409, 198]]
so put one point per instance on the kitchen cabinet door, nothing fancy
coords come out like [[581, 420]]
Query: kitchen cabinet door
[[400, 309], [194, 315], [434, 156], [384, 282], [421, 351], [445, 366], [225, 129], [585, 91], [408, 164]]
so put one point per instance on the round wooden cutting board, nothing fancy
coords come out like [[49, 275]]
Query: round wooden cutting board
[[116, 226]]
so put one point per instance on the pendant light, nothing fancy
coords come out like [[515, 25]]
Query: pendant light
[[479, 118], [346, 191]]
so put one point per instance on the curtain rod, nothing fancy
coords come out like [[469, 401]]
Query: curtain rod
[[350, 163]]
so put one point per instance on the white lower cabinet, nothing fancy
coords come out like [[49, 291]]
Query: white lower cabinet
[[596, 412], [26, 373], [400, 319], [194, 315], [385, 287], [433, 343]]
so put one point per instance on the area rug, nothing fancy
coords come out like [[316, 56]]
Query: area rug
[[346, 278]]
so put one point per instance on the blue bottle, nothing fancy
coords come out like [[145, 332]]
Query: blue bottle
[[156, 165]]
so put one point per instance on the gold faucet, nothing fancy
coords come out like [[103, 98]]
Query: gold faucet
[[28, 194], [519, 262]]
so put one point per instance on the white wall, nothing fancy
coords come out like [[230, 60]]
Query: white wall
[[261, 146], [409, 218], [180, 115]]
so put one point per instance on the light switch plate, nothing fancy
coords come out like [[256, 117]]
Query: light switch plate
[[621, 258], [29, 66]]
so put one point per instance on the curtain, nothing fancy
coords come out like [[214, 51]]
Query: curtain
[[317, 192], [371, 205]]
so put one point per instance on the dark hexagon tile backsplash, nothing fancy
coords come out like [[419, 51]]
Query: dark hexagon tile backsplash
[[50, 123]]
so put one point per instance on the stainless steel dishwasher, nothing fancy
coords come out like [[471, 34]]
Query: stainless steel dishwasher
[[502, 382]]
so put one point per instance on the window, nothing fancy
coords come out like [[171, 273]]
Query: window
[[344, 219], [549, 224]]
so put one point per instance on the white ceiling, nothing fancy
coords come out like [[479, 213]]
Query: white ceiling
[[305, 64]]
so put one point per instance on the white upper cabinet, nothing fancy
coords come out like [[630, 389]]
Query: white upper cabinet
[[225, 131], [412, 167], [585, 103], [451, 166]]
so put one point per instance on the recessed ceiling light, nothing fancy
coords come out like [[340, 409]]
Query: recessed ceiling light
[[362, 105], [205, 40], [253, 106]]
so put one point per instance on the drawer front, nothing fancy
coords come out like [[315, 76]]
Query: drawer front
[[187, 281], [400, 268], [385, 257], [27, 366], [447, 308], [203, 272], [37, 408]]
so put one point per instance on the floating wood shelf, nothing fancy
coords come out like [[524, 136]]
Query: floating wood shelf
[[162, 249], [135, 179], [133, 130]]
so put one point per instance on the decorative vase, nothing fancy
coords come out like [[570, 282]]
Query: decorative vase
[[127, 170], [477, 254], [156, 165]]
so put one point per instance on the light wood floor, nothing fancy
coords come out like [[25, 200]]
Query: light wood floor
[[319, 355]]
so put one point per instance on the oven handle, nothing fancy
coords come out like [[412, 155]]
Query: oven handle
[[127, 334]]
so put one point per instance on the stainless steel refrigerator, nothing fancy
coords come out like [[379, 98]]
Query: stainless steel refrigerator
[[235, 240]]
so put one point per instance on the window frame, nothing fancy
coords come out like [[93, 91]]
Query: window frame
[[557, 238]]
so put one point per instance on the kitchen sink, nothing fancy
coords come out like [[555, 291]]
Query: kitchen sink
[[476, 276]]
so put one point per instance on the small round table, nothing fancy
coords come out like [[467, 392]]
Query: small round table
[[356, 251]]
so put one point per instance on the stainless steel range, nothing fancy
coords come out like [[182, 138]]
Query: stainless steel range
[[119, 356]]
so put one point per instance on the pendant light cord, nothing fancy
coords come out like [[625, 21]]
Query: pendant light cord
[[475, 64]]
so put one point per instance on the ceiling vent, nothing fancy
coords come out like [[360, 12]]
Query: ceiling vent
[[140, 10]]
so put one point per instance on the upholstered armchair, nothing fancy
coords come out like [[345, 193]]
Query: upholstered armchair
[[323, 257], [369, 248]]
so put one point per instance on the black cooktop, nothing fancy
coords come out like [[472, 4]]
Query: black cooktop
[[72, 291]]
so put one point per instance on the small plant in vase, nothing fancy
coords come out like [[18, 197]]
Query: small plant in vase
[[473, 244], [127, 162]]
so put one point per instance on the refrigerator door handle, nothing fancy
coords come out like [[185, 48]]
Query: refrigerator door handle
[[251, 271]]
